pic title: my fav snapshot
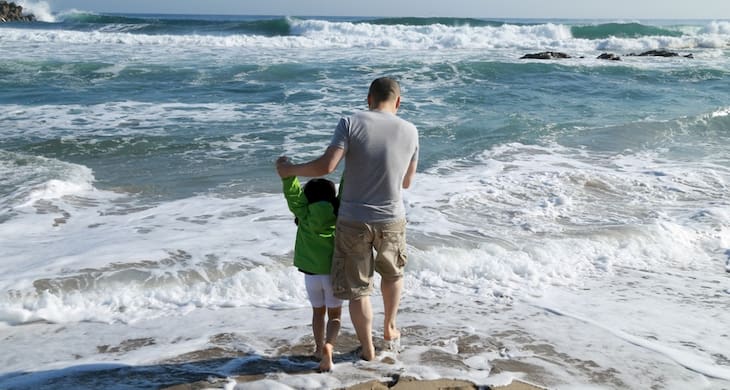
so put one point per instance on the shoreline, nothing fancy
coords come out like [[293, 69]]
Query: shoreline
[[512, 355], [294, 362], [401, 383], [410, 383]]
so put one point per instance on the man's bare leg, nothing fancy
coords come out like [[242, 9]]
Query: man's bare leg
[[333, 329], [391, 290], [361, 314]]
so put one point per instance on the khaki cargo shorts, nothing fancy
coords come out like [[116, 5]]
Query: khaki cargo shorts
[[353, 261]]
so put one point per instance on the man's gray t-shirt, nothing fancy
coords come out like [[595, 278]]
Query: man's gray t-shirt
[[379, 147]]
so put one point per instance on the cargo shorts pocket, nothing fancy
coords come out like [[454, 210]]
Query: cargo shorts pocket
[[392, 257], [350, 240]]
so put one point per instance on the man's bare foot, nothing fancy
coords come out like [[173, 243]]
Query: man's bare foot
[[326, 364], [391, 334], [367, 354], [392, 338]]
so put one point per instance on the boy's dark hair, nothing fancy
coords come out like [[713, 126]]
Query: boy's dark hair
[[321, 190]]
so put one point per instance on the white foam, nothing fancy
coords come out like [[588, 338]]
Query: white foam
[[55, 189], [496, 221], [35, 178], [40, 9], [159, 261], [431, 36], [723, 112], [695, 362], [556, 192], [716, 28], [320, 34]]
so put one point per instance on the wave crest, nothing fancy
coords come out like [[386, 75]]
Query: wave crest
[[403, 33], [622, 30], [40, 9]]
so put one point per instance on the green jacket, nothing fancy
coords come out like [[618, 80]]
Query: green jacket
[[316, 231]]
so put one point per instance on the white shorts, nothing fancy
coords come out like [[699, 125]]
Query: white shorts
[[319, 290]]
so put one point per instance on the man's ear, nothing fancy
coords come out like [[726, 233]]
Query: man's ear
[[370, 102], [397, 102]]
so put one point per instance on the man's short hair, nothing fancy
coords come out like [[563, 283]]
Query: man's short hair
[[383, 89]]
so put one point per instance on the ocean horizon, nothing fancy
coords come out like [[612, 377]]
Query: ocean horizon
[[568, 226]]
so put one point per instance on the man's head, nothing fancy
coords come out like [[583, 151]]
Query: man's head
[[384, 94]]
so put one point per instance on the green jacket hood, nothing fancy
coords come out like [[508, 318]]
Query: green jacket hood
[[316, 230]]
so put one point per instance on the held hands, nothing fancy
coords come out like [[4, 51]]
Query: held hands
[[282, 166]]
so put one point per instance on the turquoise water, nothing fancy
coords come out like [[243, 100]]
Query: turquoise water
[[137, 180], [465, 100]]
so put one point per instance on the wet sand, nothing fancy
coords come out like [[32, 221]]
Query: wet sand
[[406, 383], [438, 384], [431, 359], [295, 359]]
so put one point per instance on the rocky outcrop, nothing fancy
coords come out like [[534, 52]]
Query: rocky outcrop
[[660, 53], [609, 56], [545, 55], [656, 53], [553, 55], [11, 12]]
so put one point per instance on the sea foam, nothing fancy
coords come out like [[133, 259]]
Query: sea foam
[[162, 261], [309, 34], [40, 9]]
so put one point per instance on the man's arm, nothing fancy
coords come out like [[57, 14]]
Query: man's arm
[[321, 166], [410, 172]]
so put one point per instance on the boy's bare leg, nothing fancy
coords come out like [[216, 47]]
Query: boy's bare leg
[[361, 314], [391, 290], [333, 329], [318, 314]]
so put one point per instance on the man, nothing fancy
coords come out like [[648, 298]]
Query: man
[[381, 156]]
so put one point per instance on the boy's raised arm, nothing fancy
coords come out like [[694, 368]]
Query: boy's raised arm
[[320, 166], [295, 198]]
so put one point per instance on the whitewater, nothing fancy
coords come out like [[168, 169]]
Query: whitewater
[[568, 225]]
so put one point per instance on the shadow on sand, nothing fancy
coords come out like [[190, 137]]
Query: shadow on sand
[[163, 375]]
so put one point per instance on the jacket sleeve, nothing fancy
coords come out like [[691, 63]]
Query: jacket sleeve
[[295, 198]]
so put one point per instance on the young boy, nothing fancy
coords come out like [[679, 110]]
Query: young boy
[[315, 208]]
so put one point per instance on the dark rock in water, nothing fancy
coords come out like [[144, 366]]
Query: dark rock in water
[[609, 56], [10, 12], [656, 53], [545, 55], [660, 53]]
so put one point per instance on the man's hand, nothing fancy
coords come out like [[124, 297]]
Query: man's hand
[[282, 166]]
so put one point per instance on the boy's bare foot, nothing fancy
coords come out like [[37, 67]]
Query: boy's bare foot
[[326, 364], [317, 353]]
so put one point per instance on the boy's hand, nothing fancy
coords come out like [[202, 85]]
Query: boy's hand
[[282, 165]]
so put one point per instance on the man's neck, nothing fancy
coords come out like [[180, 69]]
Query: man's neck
[[390, 108]]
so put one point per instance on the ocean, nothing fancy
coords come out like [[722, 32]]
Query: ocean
[[569, 224]]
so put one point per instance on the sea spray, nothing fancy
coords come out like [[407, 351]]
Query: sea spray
[[40, 9]]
